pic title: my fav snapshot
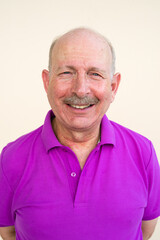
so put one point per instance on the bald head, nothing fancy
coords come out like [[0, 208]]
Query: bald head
[[82, 35]]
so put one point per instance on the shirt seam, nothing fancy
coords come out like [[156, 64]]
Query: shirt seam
[[149, 156], [3, 172], [147, 165]]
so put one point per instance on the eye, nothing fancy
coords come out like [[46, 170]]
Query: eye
[[67, 72], [96, 74]]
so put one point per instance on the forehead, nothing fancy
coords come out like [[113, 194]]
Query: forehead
[[81, 47]]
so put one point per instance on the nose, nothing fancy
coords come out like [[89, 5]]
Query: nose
[[80, 85]]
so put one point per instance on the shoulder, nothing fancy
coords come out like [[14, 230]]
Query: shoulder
[[21, 143], [133, 141], [14, 155], [124, 132]]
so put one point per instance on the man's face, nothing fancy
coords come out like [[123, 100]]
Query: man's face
[[79, 86]]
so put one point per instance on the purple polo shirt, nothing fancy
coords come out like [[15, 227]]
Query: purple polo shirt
[[46, 195]]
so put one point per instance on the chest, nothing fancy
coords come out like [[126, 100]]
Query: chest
[[59, 193]]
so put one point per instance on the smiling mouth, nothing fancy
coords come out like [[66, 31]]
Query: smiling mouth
[[78, 103], [80, 106]]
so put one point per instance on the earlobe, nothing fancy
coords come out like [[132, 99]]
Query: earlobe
[[115, 84], [45, 77]]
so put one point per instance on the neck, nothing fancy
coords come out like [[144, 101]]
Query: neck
[[67, 136], [80, 142]]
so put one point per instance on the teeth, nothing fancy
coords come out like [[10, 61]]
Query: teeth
[[80, 107]]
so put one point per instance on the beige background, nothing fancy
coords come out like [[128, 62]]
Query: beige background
[[27, 29]]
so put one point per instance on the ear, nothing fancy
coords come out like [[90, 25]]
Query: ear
[[115, 84], [45, 77]]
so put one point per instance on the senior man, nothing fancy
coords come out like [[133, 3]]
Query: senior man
[[79, 176]]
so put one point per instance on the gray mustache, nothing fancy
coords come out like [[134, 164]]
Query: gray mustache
[[86, 100]]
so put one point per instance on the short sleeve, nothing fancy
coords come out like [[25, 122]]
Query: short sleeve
[[152, 209], [6, 195]]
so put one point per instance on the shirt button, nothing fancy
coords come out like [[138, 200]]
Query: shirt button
[[73, 174]]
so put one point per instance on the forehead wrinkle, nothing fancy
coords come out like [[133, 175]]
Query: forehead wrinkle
[[81, 49], [71, 52], [75, 44], [83, 58], [75, 65], [81, 33]]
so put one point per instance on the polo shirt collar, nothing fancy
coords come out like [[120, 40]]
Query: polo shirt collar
[[48, 136], [50, 140], [107, 132]]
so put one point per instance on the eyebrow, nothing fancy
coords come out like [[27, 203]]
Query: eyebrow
[[90, 69], [97, 70], [69, 67]]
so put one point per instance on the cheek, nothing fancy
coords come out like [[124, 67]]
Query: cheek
[[57, 91], [103, 92]]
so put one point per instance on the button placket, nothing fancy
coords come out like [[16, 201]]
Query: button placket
[[86, 180], [73, 171]]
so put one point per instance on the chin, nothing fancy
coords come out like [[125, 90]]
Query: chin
[[80, 126]]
